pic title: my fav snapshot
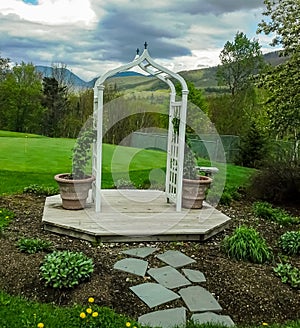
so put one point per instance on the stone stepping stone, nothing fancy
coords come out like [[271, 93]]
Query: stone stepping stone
[[170, 318], [194, 275], [168, 277], [154, 294], [141, 252], [131, 265], [175, 258], [212, 318], [198, 299]]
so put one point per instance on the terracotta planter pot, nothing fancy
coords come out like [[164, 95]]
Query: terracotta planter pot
[[73, 192], [193, 192]]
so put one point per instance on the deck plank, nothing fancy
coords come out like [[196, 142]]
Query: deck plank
[[133, 215]]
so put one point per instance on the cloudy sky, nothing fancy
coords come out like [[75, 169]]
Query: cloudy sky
[[93, 36]]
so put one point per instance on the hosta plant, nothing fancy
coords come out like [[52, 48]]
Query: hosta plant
[[288, 274], [246, 244], [31, 245], [266, 211], [290, 242], [66, 269]]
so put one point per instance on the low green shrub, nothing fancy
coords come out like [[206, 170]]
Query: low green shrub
[[278, 179], [226, 198], [40, 190], [31, 245], [288, 274], [5, 217], [246, 244], [290, 242], [66, 269], [265, 210], [227, 195]]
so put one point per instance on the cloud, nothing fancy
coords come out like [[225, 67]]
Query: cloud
[[92, 36], [216, 7]]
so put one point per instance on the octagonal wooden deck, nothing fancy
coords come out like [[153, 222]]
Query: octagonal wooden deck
[[133, 215]]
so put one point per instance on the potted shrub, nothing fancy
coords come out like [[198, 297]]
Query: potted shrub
[[194, 185], [74, 186]]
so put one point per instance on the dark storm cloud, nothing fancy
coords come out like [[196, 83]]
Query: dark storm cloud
[[173, 30], [216, 7], [124, 31]]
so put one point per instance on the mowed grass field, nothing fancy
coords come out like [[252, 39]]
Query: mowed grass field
[[30, 159], [27, 159]]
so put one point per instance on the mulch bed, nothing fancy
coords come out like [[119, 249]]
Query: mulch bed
[[249, 293]]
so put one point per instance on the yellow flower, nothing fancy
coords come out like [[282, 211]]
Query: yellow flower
[[40, 325], [91, 300], [265, 324], [95, 314], [82, 315], [7, 217], [89, 310], [128, 324]]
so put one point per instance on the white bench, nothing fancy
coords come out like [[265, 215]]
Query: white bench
[[209, 171]]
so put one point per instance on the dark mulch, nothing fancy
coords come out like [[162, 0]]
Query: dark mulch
[[249, 293]]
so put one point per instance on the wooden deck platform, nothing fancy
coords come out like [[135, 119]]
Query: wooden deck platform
[[133, 215]]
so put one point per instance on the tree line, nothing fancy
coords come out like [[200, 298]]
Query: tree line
[[258, 99]]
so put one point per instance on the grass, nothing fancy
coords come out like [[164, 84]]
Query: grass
[[25, 161], [31, 159], [16, 312], [236, 176]]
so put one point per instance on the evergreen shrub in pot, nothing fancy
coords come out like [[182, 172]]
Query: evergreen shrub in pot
[[74, 186], [194, 185]]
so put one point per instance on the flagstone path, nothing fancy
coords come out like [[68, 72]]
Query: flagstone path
[[201, 306]]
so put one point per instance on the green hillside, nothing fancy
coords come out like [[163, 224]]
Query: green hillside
[[204, 78]]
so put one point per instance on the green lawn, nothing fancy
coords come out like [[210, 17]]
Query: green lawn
[[17, 312], [30, 159]]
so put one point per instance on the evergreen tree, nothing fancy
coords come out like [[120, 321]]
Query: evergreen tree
[[252, 148], [56, 103]]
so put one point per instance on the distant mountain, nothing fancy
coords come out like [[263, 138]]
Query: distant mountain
[[62, 74], [204, 78], [70, 78], [274, 58]]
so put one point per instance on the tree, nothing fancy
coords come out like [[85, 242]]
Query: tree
[[4, 68], [282, 83], [252, 148], [63, 76], [283, 99], [194, 113], [79, 111], [56, 103], [284, 21], [20, 99], [240, 59], [232, 115]]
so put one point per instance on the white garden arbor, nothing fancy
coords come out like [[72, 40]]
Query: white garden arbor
[[176, 136]]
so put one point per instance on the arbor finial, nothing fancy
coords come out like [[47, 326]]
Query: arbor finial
[[145, 44]]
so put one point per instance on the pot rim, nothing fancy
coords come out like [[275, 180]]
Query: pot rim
[[61, 177], [202, 179]]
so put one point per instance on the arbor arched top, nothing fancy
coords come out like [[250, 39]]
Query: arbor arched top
[[176, 128], [147, 64]]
